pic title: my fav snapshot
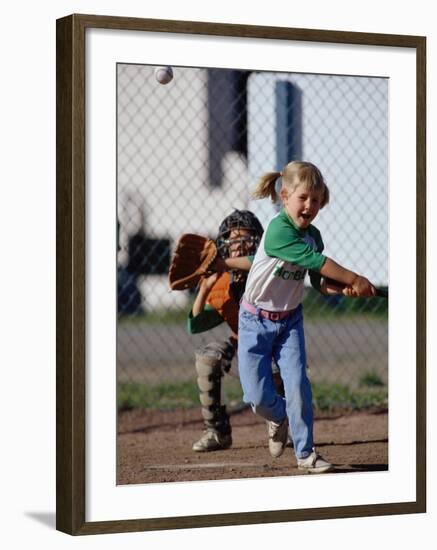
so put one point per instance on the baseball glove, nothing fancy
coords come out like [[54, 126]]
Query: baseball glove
[[193, 258]]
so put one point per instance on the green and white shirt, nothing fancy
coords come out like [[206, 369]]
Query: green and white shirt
[[285, 253]]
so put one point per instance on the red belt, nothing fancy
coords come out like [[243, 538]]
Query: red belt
[[271, 315]]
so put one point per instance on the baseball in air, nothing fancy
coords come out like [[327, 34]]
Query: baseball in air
[[164, 75]]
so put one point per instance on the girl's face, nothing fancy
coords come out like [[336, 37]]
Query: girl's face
[[302, 204]]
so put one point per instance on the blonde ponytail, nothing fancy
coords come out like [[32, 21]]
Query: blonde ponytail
[[266, 186]]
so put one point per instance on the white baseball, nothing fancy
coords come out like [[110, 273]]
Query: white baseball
[[164, 75]]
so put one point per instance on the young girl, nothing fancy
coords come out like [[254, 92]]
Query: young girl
[[270, 319]]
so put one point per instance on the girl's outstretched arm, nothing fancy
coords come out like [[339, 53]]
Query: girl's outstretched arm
[[360, 285]]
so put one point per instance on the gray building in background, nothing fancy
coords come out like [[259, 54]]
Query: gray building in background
[[191, 151], [340, 123]]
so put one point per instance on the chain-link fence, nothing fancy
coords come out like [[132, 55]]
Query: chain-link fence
[[191, 151]]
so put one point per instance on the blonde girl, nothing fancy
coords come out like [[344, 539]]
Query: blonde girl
[[270, 318]]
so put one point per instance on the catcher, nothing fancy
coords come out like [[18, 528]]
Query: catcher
[[217, 301]]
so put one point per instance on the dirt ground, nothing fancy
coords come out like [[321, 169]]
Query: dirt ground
[[155, 447]]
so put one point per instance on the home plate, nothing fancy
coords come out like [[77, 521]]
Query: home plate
[[206, 465]]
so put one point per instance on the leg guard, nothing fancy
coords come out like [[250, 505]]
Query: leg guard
[[209, 367]]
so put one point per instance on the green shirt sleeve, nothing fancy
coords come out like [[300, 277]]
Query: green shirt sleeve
[[315, 234], [285, 241], [206, 320]]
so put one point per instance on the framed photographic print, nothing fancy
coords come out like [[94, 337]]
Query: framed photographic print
[[167, 128]]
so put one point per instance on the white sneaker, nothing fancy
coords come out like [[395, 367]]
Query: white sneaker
[[212, 441], [314, 464], [278, 437]]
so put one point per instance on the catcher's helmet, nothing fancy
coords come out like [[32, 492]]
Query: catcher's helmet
[[239, 219]]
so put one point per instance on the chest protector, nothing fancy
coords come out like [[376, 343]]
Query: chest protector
[[221, 299]]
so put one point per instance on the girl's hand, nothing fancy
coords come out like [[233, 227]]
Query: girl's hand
[[363, 287], [349, 292]]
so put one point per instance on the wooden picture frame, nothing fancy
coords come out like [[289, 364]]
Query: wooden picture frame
[[71, 275]]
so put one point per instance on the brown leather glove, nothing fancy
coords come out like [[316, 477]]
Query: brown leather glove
[[193, 258]]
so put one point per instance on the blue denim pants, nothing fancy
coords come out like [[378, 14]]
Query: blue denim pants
[[259, 342]]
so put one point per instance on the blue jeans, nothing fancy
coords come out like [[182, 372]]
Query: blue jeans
[[261, 340]]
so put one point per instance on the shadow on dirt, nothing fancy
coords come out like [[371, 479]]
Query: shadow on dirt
[[356, 442], [342, 469]]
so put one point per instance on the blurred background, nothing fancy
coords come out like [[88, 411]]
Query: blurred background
[[189, 153]]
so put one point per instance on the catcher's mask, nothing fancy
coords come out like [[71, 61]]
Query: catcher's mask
[[239, 219]]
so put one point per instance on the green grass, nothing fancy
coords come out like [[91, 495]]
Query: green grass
[[371, 379], [329, 397], [177, 395], [316, 306], [326, 397]]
